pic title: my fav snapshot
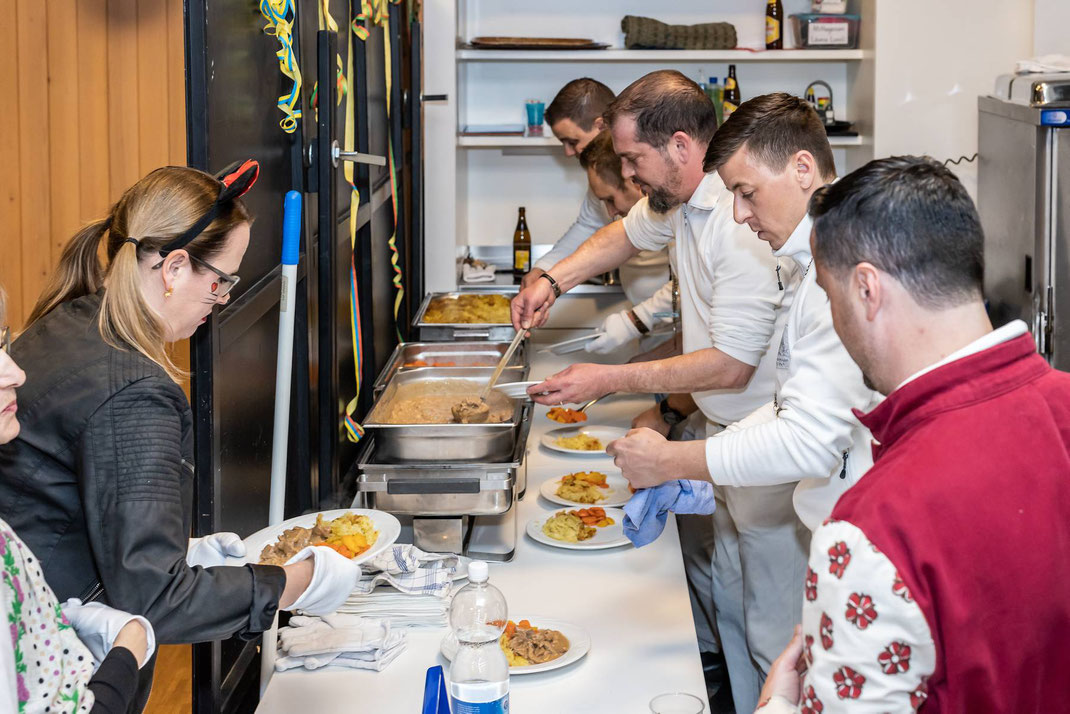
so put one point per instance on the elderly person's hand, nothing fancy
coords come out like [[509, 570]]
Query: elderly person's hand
[[640, 457], [578, 383], [784, 680]]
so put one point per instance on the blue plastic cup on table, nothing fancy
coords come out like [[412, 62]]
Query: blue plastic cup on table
[[535, 110]]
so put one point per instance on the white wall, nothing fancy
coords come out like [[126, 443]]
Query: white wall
[[933, 59], [1052, 27]]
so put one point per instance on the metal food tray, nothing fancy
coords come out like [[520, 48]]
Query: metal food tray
[[450, 332], [444, 489], [443, 442], [463, 353]]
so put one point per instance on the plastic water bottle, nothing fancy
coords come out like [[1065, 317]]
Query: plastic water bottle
[[479, 673]]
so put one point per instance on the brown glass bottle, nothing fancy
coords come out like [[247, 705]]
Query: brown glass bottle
[[774, 25], [731, 92], [521, 247]]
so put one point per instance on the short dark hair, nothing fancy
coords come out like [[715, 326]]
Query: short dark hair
[[773, 127], [663, 103], [911, 218], [581, 100], [599, 155]]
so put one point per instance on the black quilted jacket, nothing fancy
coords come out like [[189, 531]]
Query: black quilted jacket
[[99, 484]]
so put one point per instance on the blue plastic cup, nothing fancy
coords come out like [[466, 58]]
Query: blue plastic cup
[[535, 110]]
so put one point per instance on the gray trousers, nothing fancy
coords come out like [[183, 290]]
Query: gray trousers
[[759, 565]]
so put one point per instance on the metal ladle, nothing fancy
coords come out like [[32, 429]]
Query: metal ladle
[[470, 411]]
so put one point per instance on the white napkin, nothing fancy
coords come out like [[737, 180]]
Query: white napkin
[[1045, 63], [410, 570], [476, 271], [340, 640], [402, 610]]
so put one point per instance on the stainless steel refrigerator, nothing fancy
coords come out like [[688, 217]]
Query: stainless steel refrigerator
[[1024, 202]]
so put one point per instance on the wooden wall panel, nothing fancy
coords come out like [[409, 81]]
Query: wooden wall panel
[[99, 87]]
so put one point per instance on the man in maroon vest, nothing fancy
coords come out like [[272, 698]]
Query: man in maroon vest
[[941, 582]]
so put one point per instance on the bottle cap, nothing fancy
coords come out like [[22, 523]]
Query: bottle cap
[[478, 572]]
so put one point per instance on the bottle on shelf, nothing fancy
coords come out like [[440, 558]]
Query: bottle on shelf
[[731, 92], [774, 25], [479, 673], [702, 81], [715, 92], [521, 247]]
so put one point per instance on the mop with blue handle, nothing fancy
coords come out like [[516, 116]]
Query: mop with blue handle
[[291, 244]]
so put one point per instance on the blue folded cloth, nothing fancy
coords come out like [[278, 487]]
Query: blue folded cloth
[[646, 511]]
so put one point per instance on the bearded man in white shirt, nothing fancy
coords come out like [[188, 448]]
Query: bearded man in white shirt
[[575, 118], [773, 155], [731, 310]]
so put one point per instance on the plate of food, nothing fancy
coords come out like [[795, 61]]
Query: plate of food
[[592, 528], [358, 533], [538, 645], [587, 488], [585, 440]]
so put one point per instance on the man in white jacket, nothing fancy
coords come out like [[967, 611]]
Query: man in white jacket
[[575, 118], [773, 155], [731, 309]]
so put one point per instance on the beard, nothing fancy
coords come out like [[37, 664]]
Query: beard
[[662, 199]]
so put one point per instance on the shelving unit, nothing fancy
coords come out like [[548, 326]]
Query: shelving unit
[[622, 55], [474, 184]]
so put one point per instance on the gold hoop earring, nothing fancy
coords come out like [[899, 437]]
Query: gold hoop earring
[[168, 293]]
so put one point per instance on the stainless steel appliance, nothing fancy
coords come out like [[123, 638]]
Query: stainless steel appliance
[[1024, 202], [449, 332]]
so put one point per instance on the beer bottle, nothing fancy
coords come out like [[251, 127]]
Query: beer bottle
[[774, 25], [521, 247], [731, 92]]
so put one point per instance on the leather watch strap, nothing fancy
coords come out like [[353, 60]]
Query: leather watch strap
[[639, 325], [553, 284]]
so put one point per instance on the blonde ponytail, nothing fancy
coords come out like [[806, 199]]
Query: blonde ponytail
[[153, 211]]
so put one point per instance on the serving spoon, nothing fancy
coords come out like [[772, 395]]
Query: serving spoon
[[471, 411]]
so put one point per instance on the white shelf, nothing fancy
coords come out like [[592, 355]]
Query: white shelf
[[550, 142], [621, 55]]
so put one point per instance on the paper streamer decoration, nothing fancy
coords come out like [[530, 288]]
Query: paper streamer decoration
[[280, 15]]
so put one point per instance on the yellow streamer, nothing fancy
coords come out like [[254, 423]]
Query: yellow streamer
[[276, 13]]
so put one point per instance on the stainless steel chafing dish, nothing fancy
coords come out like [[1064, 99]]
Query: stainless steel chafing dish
[[443, 442], [440, 331], [464, 355]]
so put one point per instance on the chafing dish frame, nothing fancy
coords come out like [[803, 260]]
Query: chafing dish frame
[[404, 352]]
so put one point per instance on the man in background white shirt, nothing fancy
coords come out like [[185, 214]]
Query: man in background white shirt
[[575, 118]]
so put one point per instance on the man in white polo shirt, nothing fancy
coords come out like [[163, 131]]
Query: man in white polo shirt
[[575, 118], [730, 305], [773, 155]]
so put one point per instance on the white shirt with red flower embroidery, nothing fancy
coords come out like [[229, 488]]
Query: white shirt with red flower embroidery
[[867, 646]]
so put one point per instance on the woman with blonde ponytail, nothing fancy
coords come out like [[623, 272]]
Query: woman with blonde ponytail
[[99, 481]]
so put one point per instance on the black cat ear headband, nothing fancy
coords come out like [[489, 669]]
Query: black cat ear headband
[[237, 179]]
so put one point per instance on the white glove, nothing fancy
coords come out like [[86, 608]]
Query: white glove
[[619, 330], [338, 633], [97, 626], [212, 550], [334, 577]]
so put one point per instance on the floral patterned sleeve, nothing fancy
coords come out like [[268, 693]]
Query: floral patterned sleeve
[[867, 645]]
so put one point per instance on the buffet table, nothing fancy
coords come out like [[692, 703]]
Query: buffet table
[[633, 603]]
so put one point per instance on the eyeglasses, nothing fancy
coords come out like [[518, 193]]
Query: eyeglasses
[[220, 288], [5, 339]]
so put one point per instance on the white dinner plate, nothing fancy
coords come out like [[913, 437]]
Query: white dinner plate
[[388, 526], [579, 644], [617, 494], [607, 537], [515, 390], [574, 345], [605, 434]]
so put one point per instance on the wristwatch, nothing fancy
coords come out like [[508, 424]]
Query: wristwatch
[[669, 415], [639, 324]]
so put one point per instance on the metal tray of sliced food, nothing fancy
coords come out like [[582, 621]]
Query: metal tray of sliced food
[[464, 316], [453, 355], [413, 418]]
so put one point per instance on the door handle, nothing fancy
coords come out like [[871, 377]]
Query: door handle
[[434, 97], [355, 156]]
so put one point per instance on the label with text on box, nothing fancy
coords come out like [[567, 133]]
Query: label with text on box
[[827, 33]]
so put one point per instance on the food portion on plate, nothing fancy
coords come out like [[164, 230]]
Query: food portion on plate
[[350, 534], [469, 310], [576, 526], [580, 442], [583, 487], [525, 645], [564, 415]]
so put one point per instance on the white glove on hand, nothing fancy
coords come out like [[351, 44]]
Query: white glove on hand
[[97, 626], [334, 577], [213, 550], [618, 329]]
